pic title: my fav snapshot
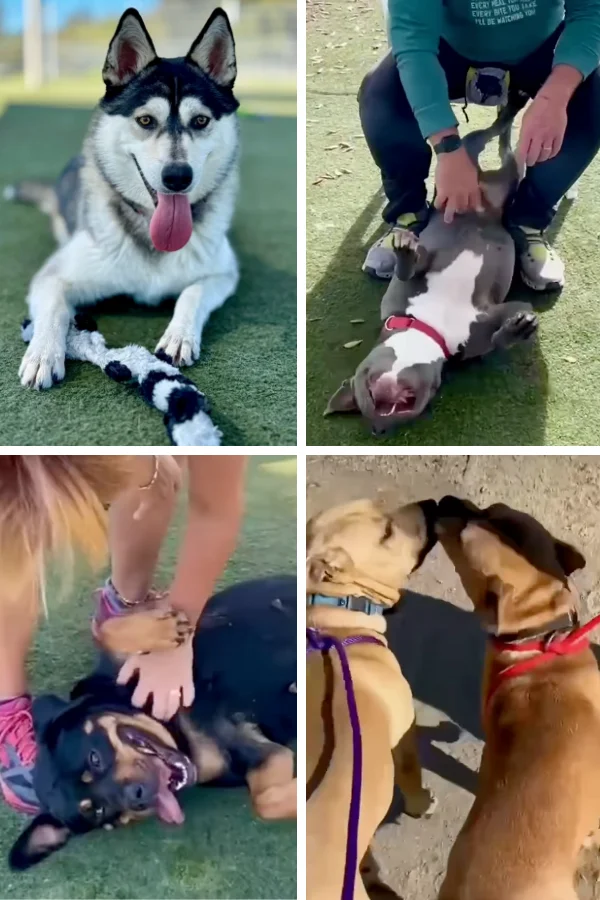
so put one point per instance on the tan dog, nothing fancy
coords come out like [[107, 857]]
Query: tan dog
[[538, 795], [359, 551]]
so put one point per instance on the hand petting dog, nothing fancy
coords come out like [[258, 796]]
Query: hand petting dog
[[165, 677]]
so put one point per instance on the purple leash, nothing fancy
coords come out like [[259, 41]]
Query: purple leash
[[324, 643]]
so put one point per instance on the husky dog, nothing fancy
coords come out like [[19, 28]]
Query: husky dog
[[146, 209]]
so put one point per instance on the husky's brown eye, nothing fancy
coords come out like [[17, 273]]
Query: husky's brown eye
[[199, 122], [146, 121]]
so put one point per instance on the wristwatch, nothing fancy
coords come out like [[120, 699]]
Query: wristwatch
[[448, 144]]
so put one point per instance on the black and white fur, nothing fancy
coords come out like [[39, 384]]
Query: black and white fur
[[186, 409], [103, 203]]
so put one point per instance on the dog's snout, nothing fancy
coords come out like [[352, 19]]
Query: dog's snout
[[177, 176], [138, 795]]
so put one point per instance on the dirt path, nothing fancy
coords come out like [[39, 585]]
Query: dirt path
[[437, 638]]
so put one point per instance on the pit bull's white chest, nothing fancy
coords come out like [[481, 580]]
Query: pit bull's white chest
[[447, 303]]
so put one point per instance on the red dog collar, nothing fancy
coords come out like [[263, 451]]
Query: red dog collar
[[554, 645], [403, 323]]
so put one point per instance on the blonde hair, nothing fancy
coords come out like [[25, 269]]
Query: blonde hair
[[55, 506]]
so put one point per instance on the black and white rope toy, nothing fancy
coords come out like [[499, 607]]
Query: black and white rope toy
[[186, 409]]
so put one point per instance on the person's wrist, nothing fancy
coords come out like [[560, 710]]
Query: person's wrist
[[560, 85], [437, 136]]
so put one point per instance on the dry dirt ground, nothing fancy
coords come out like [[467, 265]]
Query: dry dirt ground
[[437, 638]]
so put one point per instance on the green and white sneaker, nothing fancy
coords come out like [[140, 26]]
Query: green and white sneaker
[[542, 269], [380, 261]]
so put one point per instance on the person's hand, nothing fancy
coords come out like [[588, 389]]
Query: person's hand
[[457, 184], [542, 130], [166, 675], [167, 483]]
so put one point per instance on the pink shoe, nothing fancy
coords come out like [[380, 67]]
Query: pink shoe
[[18, 751]]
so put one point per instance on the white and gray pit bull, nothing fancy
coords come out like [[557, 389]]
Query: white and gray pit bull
[[446, 299]]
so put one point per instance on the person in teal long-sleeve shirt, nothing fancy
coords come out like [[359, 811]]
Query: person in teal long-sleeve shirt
[[443, 50]]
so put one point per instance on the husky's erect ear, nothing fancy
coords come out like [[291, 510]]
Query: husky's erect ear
[[42, 837], [213, 51], [130, 50]]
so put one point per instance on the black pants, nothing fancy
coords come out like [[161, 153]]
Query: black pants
[[404, 157]]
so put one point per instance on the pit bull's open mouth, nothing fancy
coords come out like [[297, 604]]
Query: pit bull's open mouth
[[402, 405], [175, 771], [171, 224]]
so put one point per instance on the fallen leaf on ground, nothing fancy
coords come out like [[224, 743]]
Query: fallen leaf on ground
[[356, 321], [350, 345]]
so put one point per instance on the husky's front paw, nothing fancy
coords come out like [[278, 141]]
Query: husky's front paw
[[182, 349], [41, 367]]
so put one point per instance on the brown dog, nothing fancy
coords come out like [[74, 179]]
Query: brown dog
[[538, 795], [358, 551]]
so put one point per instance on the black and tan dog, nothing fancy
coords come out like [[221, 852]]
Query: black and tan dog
[[102, 762], [358, 558], [538, 795]]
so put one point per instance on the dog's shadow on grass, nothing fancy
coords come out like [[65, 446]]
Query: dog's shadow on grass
[[441, 650], [500, 400]]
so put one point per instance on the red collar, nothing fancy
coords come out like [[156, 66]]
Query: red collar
[[553, 645], [403, 323]]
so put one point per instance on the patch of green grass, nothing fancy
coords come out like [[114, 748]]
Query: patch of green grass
[[542, 394], [247, 367], [221, 851]]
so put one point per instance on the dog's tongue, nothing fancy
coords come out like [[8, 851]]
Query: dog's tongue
[[167, 805], [171, 224]]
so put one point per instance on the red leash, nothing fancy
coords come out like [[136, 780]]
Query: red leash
[[403, 323], [575, 641]]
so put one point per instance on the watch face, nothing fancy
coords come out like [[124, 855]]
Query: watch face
[[448, 144]]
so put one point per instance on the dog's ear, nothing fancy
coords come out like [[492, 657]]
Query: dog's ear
[[326, 568], [429, 510], [213, 51], [42, 837], [569, 557], [343, 400], [130, 50]]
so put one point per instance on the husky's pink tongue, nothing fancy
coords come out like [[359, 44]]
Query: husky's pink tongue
[[167, 805], [171, 224]]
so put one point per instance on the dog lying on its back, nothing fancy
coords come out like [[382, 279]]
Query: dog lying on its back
[[145, 211], [446, 299], [103, 762]]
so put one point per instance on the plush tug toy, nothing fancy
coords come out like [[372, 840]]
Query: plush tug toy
[[186, 409]]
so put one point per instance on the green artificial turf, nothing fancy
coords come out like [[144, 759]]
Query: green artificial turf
[[247, 366], [542, 394], [221, 851]]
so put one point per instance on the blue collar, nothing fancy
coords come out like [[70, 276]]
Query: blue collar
[[357, 604]]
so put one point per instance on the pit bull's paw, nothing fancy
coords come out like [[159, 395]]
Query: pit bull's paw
[[411, 256], [403, 239], [41, 367], [421, 806], [181, 348], [520, 327]]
